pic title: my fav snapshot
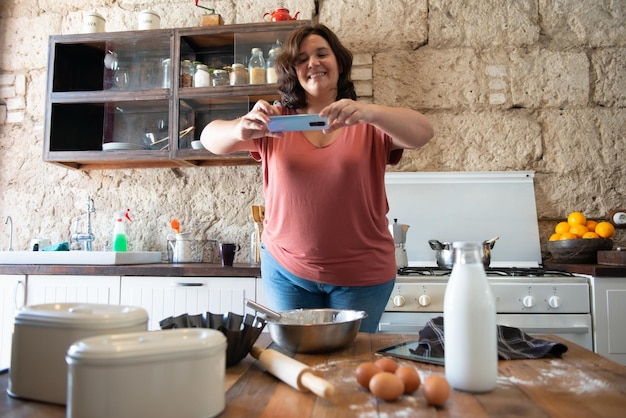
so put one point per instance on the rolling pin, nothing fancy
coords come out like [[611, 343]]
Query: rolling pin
[[295, 374]]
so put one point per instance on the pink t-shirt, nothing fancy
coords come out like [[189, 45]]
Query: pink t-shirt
[[326, 207]]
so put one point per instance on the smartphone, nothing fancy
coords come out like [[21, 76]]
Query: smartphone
[[402, 351], [297, 123]]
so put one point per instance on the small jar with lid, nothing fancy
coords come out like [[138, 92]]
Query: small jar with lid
[[220, 78], [238, 75], [256, 67], [186, 73], [202, 77]]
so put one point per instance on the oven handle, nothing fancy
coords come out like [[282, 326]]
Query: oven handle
[[398, 328], [551, 330], [402, 328]]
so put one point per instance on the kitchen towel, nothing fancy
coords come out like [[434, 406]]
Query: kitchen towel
[[513, 343]]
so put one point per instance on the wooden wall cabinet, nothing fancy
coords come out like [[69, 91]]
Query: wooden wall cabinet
[[114, 100]]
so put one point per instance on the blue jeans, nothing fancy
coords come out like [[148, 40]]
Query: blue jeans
[[286, 291]]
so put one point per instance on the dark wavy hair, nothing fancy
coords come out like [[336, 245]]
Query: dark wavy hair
[[292, 93]]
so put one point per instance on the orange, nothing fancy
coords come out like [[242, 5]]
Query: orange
[[576, 218], [591, 235], [561, 228], [578, 230], [591, 225], [605, 229], [568, 235], [555, 237]]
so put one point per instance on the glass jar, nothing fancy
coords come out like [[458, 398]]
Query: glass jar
[[256, 67], [238, 75], [272, 77], [220, 78], [186, 73], [166, 64], [202, 77]]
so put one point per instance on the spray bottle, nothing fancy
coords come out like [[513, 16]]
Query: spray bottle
[[120, 241]]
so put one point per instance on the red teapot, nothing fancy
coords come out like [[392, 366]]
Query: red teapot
[[280, 14]]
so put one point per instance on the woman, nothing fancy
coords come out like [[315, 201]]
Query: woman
[[326, 242]]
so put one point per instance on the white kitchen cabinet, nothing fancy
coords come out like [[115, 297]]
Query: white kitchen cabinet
[[609, 316], [163, 297], [72, 289], [12, 297]]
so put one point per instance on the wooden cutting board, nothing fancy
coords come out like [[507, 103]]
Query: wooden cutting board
[[612, 258]]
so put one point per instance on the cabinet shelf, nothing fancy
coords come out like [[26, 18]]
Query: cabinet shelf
[[121, 90]]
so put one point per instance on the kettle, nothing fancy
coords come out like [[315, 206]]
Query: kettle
[[280, 14], [398, 231]]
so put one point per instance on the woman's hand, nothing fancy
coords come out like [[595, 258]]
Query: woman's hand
[[254, 123], [345, 112]]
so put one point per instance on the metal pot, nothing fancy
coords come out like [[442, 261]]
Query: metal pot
[[445, 252], [311, 330]]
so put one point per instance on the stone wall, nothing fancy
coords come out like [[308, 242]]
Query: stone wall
[[509, 85]]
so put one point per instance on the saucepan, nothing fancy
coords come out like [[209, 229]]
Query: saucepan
[[311, 330], [445, 252]]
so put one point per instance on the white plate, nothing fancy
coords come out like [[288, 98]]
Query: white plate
[[111, 146]]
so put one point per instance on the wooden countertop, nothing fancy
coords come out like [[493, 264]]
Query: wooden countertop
[[582, 383], [157, 269]]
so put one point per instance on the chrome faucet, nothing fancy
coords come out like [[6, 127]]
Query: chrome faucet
[[86, 237], [9, 221]]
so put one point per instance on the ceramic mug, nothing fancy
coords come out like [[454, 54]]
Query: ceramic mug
[[38, 244], [181, 247], [227, 253]]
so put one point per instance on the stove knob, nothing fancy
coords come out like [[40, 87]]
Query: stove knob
[[424, 300], [528, 301], [399, 301], [554, 302]]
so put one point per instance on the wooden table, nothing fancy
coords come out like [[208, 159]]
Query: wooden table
[[581, 384]]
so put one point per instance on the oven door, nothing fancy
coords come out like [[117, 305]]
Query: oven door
[[576, 328]]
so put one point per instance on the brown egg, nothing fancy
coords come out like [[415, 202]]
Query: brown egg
[[387, 364], [409, 377], [386, 386], [364, 373], [436, 389]]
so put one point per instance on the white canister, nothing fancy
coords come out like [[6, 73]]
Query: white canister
[[42, 335], [156, 374], [147, 19], [93, 23]]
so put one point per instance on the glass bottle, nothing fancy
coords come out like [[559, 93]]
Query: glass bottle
[[470, 328], [166, 73], [256, 67], [186, 73], [272, 77], [220, 78]]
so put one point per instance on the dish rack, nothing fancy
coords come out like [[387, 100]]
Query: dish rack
[[202, 251]]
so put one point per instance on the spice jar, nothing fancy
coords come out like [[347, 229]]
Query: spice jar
[[238, 75], [220, 78], [186, 73], [202, 77], [256, 67]]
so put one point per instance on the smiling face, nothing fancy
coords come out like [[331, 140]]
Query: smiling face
[[317, 68]]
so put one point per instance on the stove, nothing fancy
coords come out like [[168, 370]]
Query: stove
[[475, 207]]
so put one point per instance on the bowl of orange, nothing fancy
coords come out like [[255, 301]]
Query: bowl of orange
[[582, 251]]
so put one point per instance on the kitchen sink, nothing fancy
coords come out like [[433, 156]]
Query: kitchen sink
[[79, 257]]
